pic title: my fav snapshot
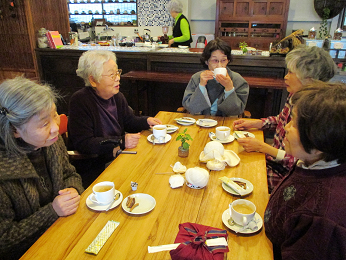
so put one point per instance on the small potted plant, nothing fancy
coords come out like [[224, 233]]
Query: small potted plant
[[183, 150], [242, 46]]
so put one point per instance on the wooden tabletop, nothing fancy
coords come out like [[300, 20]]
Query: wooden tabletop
[[69, 236]]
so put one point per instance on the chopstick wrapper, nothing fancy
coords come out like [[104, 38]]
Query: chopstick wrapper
[[192, 238], [102, 237]]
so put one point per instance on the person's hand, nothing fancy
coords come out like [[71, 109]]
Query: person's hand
[[67, 202], [205, 76], [131, 140], [170, 42], [251, 144], [153, 121], [242, 124], [225, 81]]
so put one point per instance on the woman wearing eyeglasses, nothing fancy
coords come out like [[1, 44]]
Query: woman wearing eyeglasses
[[100, 112], [219, 95]]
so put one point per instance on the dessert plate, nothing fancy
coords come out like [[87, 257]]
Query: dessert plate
[[206, 122], [242, 134], [146, 204], [167, 139], [249, 186], [101, 207], [185, 120], [240, 229]]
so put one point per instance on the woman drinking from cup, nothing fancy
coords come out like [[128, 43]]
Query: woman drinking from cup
[[217, 90], [37, 183]]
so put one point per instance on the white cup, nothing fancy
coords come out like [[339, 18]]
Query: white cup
[[222, 133], [159, 132], [222, 71], [103, 192], [242, 211]]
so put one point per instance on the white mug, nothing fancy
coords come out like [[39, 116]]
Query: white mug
[[242, 211], [159, 132], [222, 133], [222, 71], [103, 192]]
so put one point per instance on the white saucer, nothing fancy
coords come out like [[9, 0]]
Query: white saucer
[[185, 120], [99, 207], [167, 139], [146, 204], [183, 46], [229, 140], [249, 186], [163, 45], [241, 134], [239, 229], [206, 122]]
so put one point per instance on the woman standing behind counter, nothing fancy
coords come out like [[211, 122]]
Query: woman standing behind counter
[[181, 29]]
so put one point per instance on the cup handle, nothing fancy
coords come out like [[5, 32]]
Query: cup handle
[[244, 220]]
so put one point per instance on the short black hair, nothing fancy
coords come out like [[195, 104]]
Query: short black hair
[[214, 45]]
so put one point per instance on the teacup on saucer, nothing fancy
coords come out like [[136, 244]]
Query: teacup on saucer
[[93, 200]]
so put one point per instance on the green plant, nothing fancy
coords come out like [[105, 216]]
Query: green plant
[[323, 31], [243, 46], [184, 137]]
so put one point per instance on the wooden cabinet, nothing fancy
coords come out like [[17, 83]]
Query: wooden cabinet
[[256, 22]]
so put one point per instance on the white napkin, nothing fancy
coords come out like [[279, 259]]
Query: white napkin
[[176, 181]]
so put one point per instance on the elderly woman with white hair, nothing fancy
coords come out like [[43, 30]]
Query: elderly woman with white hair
[[99, 113], [305, 65], [37, 183], [181, 29]]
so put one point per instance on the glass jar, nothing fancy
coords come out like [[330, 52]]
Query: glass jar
[[338, 34], [42, 40], [312, 33]]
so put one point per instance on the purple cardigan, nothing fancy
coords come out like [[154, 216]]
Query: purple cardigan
[[306, 214], [85, 126]]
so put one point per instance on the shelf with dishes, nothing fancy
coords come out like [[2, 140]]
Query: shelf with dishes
[[100, 2]]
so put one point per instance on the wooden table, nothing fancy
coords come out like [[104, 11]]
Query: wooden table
[[69, 236]]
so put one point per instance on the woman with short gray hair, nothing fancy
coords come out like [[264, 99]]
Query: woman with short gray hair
[[37, 182], [305, 65]]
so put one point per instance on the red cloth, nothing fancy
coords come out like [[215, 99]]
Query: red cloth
[[192, 238]]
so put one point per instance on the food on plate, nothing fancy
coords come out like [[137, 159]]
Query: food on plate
[[133, 206], [130, 202], [233, 185], [241, 184]]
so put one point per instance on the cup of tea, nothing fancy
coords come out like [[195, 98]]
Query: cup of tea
[[222, 133], [103, 192], [222, 71], [242, 211], [159, 132]]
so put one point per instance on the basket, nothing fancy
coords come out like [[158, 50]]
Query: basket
[[288, 43]]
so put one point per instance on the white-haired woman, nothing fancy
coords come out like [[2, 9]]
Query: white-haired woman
[[181, 29], [37, 182], [99, 112], [305, 64]]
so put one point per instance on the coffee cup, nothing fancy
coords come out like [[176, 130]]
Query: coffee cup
[[242, 211], [222, 133], [103, 192], [159, 132], [222, 71]]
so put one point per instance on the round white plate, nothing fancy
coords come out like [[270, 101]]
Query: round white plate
[[206, 122], [163, 45], [183, 47], [239, 229], [95, 206], [146, 204], [244, 132], [229, 140], [185, 120], [249, 186], [167, 139]]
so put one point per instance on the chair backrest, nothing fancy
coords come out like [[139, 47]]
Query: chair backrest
[[63, 124]]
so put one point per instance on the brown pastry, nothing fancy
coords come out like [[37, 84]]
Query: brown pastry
[[133, 206], [241, 184], [130, 202]]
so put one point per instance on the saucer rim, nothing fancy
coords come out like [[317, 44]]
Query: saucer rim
[[221, 141], [249, 231], [168, 136], [103, 207]]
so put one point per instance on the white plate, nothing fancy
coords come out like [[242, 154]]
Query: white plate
[[249, 186], [146, 204], [242, 133], [206, 122], [185, 120], [183, 47], [95, 206], [229, 140], [239, 229], [170, 129], [167, 139], [163, 45]]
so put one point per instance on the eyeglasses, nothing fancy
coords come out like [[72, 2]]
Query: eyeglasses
[[224, 61], [113, 76]]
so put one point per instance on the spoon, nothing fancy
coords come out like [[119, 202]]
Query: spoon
[[116, 197], [153, 139]]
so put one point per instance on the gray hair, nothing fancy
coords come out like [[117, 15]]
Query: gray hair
[[91, 64], [20, 100], [311, 63], [175, 6]]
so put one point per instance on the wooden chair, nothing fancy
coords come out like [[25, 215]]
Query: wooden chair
[[246, 114]]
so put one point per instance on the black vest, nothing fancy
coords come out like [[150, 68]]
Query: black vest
[[177, 33]]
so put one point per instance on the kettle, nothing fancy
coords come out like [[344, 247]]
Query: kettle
[[147, 37]]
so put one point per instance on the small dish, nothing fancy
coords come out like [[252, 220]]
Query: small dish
[[167, 139], [183, 47], [171, 129], [185, 120], [206, 122], [214, 138], [240, 229], [146, 204], [249, 186], [99, 207], [242, 134], [163, 45]]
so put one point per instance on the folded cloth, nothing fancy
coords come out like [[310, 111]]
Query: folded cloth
[[193, 247]]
